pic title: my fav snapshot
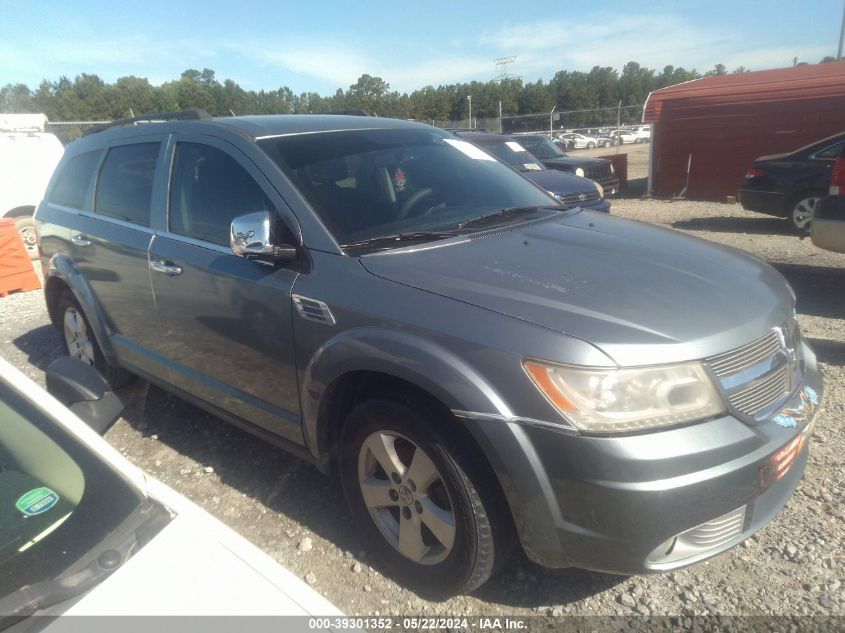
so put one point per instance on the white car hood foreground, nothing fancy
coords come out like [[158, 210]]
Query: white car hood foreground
[[195, 566]]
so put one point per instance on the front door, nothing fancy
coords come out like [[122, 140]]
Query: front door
[[226, 320]]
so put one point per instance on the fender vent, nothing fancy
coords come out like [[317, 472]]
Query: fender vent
[[313, 310]]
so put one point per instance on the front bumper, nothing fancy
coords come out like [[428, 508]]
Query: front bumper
[[615, 504]]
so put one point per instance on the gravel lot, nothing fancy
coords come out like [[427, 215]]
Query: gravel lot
[[793, 566]]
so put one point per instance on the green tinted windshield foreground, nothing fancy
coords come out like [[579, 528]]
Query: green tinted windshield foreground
[[366, 183], [58, 500]]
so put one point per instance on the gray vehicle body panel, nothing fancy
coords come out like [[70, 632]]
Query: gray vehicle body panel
[[456, 318]]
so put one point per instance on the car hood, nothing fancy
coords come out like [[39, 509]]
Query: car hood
[[572, 161], [188, 569], [643, 294], [560, 181]]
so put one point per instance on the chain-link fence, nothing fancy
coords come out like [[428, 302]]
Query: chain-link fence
[[69, 131], [605, 119]]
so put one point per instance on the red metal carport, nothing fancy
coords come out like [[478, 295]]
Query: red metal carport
[[725, 122]]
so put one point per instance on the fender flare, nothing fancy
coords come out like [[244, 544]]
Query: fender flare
[[62, 267], [419, 361]]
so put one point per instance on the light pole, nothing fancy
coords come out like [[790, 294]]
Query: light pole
[[841, 36], [469, 98], [551, 122]]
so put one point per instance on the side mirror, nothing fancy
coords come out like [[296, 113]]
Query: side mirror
[[251, 238], [84, 391]]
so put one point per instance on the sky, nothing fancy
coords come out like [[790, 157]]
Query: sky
[[319, 46]]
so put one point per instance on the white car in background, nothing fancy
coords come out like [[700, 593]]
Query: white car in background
[[622, 137], [579, 141], [28, 156], [84, 532]]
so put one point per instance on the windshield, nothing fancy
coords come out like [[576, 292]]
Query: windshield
[[58, 501], [513, 154], [541, 147], [369, 183]]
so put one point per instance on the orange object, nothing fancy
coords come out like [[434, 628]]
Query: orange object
[[16, 272]]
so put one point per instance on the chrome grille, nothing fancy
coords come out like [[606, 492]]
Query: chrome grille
[[574, 199], [746, 356], [758, 376], [753, 400], [599, 172]]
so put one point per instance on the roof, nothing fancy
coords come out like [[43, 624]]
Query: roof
[[280, 124], [813, 81]]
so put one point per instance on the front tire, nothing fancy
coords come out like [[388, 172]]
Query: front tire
[[78, 341], [421, 504], [591, 145]]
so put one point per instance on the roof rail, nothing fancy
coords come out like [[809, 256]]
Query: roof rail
[[350, 112], [192, 114]]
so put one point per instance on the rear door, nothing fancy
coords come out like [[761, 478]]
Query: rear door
[[226, 320], [109, 247]]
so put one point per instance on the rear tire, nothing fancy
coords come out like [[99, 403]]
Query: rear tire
[[78, 340], [434, 522], [802, 209], [25, 224], [591, 145]]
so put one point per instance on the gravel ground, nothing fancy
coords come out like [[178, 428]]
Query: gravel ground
[[793, 566]]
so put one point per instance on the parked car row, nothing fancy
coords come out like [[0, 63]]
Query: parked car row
[[589, 138], [828, 226], [483, 366]]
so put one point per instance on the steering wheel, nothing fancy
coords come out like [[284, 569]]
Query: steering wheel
[[412, 201]]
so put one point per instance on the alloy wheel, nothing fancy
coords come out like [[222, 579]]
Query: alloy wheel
[[406, 497], [78, 341], [803, 212]]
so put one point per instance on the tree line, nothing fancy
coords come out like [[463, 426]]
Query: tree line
[[88, 97]]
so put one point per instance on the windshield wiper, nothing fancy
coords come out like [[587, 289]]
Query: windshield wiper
[[395, 238], [481, 219]]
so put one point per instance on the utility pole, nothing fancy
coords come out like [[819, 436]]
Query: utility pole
[[500, 117], [469, 98], [551, 122], [841, 34]]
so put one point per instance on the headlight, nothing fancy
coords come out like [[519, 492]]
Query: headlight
[[612, 170], [579, 172], [618, 400], [600, 189]]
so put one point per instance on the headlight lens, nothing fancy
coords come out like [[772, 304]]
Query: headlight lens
[[618, 400], [579, 172], [600, 189]]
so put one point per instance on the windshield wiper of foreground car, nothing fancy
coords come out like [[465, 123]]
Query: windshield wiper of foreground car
[[395, 238], [507, 211]]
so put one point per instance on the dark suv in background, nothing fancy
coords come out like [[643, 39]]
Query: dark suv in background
[[598, 169], [790, 185], [481, 365], [569, 189]]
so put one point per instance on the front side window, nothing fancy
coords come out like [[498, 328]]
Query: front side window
[[125, 186], [513, 154], [208, 189], [369, 183], [73, 182]]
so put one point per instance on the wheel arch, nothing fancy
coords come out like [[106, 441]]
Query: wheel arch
[[20, 211], [61, 275], [369, 361]]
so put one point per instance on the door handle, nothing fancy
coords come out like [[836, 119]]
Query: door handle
[[80, 240], [161, 266]]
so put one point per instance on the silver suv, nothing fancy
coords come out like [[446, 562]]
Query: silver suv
[[479, 364]]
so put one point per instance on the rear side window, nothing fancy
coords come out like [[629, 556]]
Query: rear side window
[[830, 152], [72, 184], [125, 186], [208, 190]]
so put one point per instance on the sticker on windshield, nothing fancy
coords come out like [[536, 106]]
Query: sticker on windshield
[[532, 167], [469, 149], [515, 146], [37, 501]]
